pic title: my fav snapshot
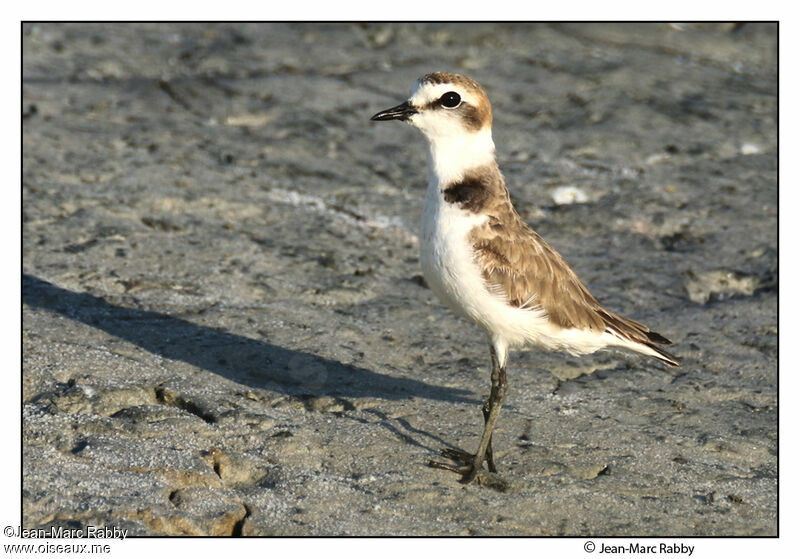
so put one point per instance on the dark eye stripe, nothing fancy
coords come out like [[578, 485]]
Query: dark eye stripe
[[472, 117]]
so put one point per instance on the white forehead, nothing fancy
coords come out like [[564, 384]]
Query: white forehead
[[423, 93]]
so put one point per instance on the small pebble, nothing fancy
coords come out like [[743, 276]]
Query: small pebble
[[569, 195]]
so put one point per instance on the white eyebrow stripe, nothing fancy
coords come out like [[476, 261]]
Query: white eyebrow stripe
[[424, 93]]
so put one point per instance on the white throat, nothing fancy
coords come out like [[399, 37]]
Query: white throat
[[450, 156]]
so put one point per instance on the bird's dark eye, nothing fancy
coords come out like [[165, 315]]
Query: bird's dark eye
[[450, 100]]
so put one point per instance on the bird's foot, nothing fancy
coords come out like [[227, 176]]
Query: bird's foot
[[468, 467], [468, 472], [467, 458]]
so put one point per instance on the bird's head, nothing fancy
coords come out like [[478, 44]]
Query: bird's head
[[443, 106]]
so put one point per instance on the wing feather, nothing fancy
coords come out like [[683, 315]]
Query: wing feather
[[517, 263]]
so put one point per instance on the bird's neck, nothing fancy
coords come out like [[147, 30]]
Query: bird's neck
[[450, 157]]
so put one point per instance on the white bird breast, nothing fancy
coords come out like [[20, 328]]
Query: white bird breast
[[449, 265]]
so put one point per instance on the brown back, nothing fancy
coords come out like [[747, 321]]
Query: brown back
[[518, 263]]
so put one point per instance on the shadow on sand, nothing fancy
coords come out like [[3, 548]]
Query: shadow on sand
[[244, 360]]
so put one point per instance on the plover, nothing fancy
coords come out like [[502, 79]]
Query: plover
[[481, 259]]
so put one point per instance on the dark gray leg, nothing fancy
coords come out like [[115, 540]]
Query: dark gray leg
[[491, 409], [489, 455], [465, 457]]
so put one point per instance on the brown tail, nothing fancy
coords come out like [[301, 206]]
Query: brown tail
[[638, 332], [664, 356]]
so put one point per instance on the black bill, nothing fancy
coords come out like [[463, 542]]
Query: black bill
[[401, 112]]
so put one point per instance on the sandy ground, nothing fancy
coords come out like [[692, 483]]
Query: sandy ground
[[225, 326]]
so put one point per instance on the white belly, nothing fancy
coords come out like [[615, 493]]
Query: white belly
[[446, 257], [452, 273]]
